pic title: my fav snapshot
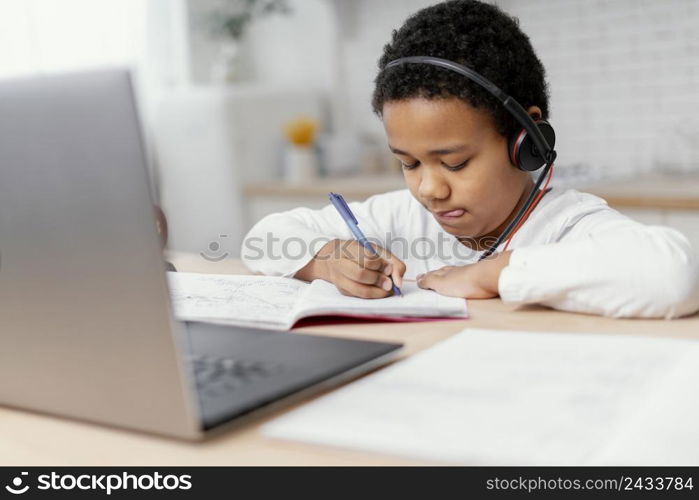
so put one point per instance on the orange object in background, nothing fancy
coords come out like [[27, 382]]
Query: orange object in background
[[300, 158], [301, 131]]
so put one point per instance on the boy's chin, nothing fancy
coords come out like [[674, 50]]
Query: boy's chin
[[457, 231]]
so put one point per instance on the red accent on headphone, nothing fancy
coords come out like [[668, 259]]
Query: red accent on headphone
[[515, 147], [539, 195]]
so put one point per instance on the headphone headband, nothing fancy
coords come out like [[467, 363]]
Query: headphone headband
[[539, 141], [515, 109]]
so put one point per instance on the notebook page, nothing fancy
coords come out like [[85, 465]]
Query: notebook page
[[324, 298], [262, 301], [493, 397]]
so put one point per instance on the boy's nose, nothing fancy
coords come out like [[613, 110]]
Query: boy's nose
[[432, 185]]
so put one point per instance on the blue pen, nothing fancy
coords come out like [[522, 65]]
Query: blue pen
[[339, 203]]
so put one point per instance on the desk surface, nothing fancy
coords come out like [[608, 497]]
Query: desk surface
[[32, 439]]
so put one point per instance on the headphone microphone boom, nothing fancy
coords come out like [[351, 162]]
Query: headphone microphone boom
[[529, 150]]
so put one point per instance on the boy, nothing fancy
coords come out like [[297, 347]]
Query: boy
[[572, 252]]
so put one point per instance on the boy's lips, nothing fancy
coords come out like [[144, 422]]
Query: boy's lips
[[449, 215]]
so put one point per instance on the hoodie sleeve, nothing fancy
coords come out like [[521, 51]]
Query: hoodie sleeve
[[607, 264], [281, 244]]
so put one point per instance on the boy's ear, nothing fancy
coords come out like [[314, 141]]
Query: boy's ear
[[521, 149], [534, 112]]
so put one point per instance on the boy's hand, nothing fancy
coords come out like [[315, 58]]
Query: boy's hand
[[354, 270], [474, 281]]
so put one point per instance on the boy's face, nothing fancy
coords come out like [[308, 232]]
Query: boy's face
[[456, 164]]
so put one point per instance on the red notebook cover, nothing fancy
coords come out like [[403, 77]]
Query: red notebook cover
[[339, 319]]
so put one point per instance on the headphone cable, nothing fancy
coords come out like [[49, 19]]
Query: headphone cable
[[520, 215], [526, 215]]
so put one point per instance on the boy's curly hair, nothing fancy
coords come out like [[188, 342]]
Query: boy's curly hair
[[472, 33]]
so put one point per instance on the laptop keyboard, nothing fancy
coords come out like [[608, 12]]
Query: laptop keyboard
[[216, 376]]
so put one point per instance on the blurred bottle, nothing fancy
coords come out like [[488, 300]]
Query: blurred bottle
[[300, 158]]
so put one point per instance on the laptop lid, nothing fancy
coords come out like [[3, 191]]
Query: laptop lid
[[75, 209]]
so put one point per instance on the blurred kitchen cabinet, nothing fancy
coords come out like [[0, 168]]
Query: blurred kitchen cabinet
[[270, 197], [260, 206], [209, 142]]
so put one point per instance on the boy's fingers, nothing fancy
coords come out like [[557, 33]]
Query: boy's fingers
[[354, 251], [398, 270], [428, 280], [397, 279], [365, 258], [365, 276], [355, 289], [386, 255], [373, 263]]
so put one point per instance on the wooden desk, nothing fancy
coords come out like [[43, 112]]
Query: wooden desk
[[31, 439]]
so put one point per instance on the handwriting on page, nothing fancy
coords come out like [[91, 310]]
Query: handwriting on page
[[255, 299]]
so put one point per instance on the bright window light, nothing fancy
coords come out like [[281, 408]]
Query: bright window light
[[42, 36]]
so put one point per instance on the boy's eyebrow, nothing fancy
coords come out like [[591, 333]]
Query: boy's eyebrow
[[443, 151]]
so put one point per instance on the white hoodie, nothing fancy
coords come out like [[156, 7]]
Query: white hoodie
[[573, 253]]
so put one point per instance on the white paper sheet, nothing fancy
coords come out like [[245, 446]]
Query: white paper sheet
[[507, 397]]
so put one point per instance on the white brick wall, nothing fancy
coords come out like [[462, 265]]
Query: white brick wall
[[363, 45], [623, 74]]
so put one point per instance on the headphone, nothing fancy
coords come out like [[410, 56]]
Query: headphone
[[529, 149]]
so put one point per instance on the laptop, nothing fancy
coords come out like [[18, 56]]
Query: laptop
[[86, 324]]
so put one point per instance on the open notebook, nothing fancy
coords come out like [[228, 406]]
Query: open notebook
[[278, 303]]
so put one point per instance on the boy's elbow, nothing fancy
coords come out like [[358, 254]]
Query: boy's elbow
[[661, 281], [675, 283], [680, 295], [671, 291]]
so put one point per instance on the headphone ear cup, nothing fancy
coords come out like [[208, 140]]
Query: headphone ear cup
[[523, 153]]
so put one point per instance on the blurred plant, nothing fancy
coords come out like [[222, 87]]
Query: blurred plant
[[232, 18]]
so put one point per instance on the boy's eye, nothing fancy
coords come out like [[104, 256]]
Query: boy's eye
[[454, 168]]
